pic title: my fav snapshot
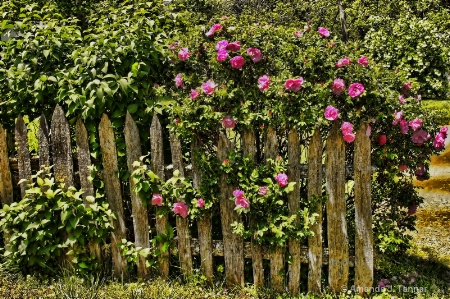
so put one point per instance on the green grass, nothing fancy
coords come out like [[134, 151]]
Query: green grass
[[441, 109]]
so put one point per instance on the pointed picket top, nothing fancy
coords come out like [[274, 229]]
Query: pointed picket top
[[44, 143], [61, 148], [363, 211], [23, 154], [113, 193], [6, 185], [315, 189], [139, 211]]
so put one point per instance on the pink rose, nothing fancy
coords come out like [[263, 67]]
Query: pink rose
[[234, 46], [420, 171], [200, 203], [238, 193], [397, 117], [338, 86], [407, 86], [228, 122], [343, 62], [174, 45], [242, 202], [282, 179], [222, 55], [178, 80], [181, 209], [349, 137], [157, 200], [382, 140], [213, 29], [324, 32], [363, 61], [402, 167], [208, 87], [444, 130], [404, 126], [262, 190], [237, 62], [346, 128], [419, 137], [355, 90], [194, 94], [439, 141], [294, 84], [415, 124], [222, 45], [401, 99], [184, 54], [263, 82], [298, 33], [331, 113], [255, 54]]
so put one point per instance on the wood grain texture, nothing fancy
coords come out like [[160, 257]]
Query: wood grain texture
[[233, 244], [23, 154], [204, 225], [294, 207], [84, 161], [61, 148], [6, 186], [139, 211], [249, 150], [277, 271], [157, 166], [336, 211], [363, 211], [113, 195], [44, 143], [315, 189], [183, 233]]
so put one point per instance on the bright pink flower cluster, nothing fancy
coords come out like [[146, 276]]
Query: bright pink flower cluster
[[331, 113], [240, 201], [262, 190], [347, 132], [343, 62], [282, 179], [324, 32], [338, 86], [363, 61], [208, 87], [355, 90], [213, 29], [178, 80], [157, 200], [237, 62], [228, 122], [184, 54], [180, 208], [200, 202], [255, 54], [419, 137], [439, 140], [294, 84], [263, 82]]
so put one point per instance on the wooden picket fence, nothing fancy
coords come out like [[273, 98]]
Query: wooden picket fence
[[232, 247]]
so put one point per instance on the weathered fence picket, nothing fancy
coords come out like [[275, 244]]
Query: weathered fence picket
[[157, 166], [23, 154], [6, 186], [315, 190], [363, 211], [139, 211], [44, 142], [338, 263], [113, 194]]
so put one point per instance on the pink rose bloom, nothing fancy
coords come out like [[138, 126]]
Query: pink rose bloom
[[439, 141], [228, 122], [355, 90], [237, 62], [194, 94], [419, 137], [234, 46], [238, 193], [324, 32], [331, 113], [184, 54], [343, 62], [262, 190], [178, 80], [444, 130], [263, 82], [363, 61], [407, 86], [298, 33], [222, 55], [242, 202], [213, 29], [404, 126], [200, 203], [401, 99], [294, 84], [174, 45], [421, 170], [349, 137], [346, 128], [338, 86], [402, 167], [382, 140], [255, 54], [397, 117], [181, 209], [282, 179], [411, 211], [157, 200], [208, 87], [415, 124], [222, 45]]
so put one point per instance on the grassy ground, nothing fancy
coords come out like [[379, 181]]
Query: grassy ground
[[441, 108]]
